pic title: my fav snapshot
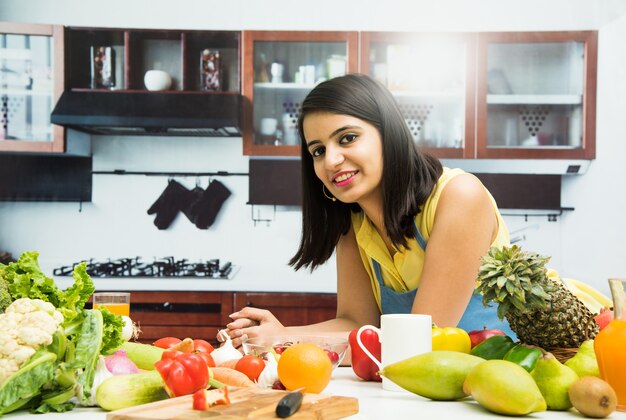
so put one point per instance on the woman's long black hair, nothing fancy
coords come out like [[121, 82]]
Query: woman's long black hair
[[408, 178]]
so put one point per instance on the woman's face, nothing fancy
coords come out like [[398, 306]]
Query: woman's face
[[347, 155]]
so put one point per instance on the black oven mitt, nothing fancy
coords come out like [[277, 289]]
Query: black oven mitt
[[174, 198], [202, 212], [196, 197]]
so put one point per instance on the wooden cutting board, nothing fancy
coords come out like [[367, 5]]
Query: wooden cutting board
[[245, 403]]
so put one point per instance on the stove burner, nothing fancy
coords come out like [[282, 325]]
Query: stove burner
[[163, 267]]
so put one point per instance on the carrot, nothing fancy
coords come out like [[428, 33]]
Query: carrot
[[186, 346], [229, 363], [231, 377]]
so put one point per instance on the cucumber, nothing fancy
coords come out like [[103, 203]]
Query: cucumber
[[143, 355], [123, 391]]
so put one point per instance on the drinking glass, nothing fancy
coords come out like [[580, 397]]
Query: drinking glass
[[116, 302]]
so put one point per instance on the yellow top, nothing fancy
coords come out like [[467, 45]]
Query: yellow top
[[403, 272]]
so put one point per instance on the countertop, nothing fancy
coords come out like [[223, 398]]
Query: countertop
[[374, 403], [249, 278]]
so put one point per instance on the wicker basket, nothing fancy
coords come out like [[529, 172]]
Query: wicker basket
[[564, 354]]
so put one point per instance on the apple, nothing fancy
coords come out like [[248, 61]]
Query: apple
[[478, 336], [604, 317]]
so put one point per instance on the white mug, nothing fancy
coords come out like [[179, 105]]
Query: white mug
[[401, 336]]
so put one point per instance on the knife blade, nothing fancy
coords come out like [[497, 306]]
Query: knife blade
[[289, 404]]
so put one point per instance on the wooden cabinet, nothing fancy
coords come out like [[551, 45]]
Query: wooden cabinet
[[527, 95], [202, 314], [430, 76], [118, 59], [31, 81], [291, 308], [180, 314], [536, 95], [280, 68]]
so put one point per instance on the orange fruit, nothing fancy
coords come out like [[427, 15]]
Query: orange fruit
[[305, 365]]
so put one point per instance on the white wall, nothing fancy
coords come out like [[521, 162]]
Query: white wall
[[586, 244]]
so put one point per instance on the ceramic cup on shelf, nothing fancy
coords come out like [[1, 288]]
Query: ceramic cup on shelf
[[268, 126], [157, 80]]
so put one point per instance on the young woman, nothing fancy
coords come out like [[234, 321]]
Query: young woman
[[407, 234]]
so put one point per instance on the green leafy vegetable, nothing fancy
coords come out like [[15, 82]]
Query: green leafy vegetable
[[26, 280], [5, 296], [72, 301], [88, 349], [112, 336], [67, 366], [25, 384]]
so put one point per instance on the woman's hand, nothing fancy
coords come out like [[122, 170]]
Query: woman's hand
[[252, 322]]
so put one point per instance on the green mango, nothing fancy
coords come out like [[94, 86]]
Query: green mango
[[504, 387], [438, 375]]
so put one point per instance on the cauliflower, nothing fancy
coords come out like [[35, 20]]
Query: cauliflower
[[27, 325]]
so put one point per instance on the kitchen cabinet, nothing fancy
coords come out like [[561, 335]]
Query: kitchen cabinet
[[152, 82], [518, 95], [280, 68], [202, 314], [291, 308], [431, 78], [111, 60], [536, 95], [180, 314], [31, 81]]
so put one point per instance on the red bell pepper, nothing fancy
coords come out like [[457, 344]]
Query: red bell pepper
[[362, 365], [183, 373]]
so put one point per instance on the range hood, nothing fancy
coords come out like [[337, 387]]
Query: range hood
[[141, 113]]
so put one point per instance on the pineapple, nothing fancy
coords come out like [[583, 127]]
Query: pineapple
[[540, 310]]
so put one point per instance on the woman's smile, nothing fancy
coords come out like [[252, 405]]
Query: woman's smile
[[344, 178]]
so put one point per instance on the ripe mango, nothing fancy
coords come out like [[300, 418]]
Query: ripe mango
[[438, 375], [504, 387]]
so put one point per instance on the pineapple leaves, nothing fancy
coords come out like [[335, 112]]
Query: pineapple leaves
[[514, 279]]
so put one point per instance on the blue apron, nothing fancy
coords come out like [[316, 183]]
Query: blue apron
[[475, 317]]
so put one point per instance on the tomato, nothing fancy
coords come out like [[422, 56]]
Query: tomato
[[202, 346], [251, 366], [166, 342], [332, 355]]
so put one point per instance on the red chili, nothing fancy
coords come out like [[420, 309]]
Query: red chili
[[182, 373], [362, 365]]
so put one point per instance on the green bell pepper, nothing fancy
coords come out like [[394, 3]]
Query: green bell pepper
[[525, 356], [494, 347]]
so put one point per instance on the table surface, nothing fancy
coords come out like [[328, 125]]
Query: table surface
[[374, 403]]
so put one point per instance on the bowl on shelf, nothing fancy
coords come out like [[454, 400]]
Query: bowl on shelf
[[156, 80], [335, 347]]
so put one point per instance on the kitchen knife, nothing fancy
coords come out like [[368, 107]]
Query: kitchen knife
[[289, 404]]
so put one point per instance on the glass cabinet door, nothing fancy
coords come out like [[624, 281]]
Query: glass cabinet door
[[428, 75], [27, 88], [536, 95], [283, 69]]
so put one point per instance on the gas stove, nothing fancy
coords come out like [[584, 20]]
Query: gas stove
[[160, 267]]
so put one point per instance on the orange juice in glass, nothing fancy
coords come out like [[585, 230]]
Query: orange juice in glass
[[116, 302], [610, 344]]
